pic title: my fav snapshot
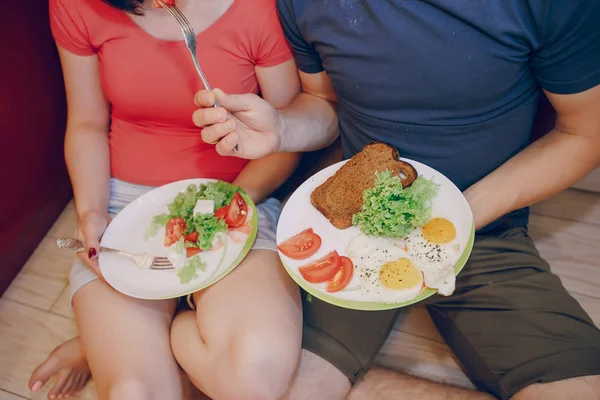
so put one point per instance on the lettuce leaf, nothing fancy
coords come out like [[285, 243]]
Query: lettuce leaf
[[392, 211], [189, 272]]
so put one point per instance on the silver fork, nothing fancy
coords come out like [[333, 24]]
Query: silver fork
[[189, 37], [143, 261]]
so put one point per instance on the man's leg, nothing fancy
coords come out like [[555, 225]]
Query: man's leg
[[523, 291], [515, 328]]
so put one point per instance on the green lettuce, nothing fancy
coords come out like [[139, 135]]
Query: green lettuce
[[182, 206], [393, 211], [190, 271]]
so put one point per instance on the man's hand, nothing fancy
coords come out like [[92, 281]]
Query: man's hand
[[244, 125]]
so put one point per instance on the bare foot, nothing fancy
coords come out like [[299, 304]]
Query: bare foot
[[70, 366]]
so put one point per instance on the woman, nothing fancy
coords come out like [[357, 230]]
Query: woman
[[130, 84]]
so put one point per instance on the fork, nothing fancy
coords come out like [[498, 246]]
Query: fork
[[143, 261], [189, 37]]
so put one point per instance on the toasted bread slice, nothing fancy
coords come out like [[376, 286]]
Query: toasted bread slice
[[341, 196]]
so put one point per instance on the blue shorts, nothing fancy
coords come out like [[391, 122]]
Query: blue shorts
[[123, 193]]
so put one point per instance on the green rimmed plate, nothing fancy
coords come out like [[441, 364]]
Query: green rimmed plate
[[126, 232], [299, 214]]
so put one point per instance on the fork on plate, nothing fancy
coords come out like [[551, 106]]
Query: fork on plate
[[143, 261], [189, 37]]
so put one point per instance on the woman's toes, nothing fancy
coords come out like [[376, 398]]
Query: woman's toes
[[61, 380]]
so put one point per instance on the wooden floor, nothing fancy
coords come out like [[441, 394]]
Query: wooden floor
[[35, 316]]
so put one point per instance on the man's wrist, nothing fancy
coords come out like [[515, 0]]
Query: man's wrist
[[284, 136]]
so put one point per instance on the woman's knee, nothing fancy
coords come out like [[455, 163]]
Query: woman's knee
[[262, 366]]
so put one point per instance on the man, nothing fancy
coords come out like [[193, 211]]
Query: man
[[454, 84]]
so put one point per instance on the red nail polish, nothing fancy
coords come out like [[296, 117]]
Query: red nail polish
[[92, 253]]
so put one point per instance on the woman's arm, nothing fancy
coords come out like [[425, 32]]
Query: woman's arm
[[86, 141], [549, 165], [279, 85]]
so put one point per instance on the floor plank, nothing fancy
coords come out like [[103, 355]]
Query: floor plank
[[66, 224], [4, 395], [572, 250], [424, 358], [61, 306], [572, 204], [27, 336], [43, 277]]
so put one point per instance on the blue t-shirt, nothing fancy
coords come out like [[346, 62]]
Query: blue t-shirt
[[451, 83]]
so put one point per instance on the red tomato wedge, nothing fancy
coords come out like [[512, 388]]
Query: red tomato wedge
[[246, 229], [323, 269], [191, 251], [192, 237], [155, 3], [238, 210], [302, 245], [174, 229], [343, 276], [221, 213]]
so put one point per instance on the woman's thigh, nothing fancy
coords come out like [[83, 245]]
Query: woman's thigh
[[126, 341], [249, 327]]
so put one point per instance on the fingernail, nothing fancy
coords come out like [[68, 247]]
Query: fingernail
[[52, 396], [36, 386], [92, 253]]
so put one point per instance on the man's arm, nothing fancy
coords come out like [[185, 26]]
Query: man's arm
[[310, 121], [258, 129], [546, 167]]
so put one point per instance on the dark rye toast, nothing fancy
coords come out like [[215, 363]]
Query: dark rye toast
[[341, 196]]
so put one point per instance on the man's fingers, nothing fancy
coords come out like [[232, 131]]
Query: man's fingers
[[204, 98], [226, 146], [214, 133], [233, 102], [204, 117]]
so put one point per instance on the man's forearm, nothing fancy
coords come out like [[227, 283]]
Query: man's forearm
[[543, 169], [308, 123]]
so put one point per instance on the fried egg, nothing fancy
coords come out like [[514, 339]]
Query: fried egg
[[385, 271], [435, 249]]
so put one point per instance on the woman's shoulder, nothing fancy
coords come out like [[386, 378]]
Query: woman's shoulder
[[81, 26]]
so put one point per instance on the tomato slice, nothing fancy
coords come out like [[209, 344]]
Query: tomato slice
[[238, 210], [221, 213], [302, 245], [322, 269], [191, 251], [174, 229], [155, 3], [343, 276], [192, 237]]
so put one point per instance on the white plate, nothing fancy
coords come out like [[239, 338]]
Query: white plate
[[126, 232], [299, 214]]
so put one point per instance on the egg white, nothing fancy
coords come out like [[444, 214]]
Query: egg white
[[369, 254], [435, 260]]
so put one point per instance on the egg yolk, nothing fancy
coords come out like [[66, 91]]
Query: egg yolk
[[439, 231], [399, 274]]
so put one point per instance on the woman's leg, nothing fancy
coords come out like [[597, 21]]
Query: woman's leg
[[126, 342], [244, 340]]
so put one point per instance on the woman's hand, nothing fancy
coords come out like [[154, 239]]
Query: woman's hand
[[91, 227]]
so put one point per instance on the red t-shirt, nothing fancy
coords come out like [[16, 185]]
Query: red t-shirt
[[150, 83]]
